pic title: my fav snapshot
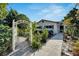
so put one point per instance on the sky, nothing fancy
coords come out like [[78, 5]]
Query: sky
[[38, 11]]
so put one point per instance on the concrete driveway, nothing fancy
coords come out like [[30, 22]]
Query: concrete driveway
[[58, 36], [52, 47]]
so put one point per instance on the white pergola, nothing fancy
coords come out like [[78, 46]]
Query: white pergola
[[14, 31]]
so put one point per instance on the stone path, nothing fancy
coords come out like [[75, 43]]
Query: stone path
[[52, 47]]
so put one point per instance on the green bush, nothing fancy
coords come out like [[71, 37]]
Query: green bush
[[75, 48], [36, 42], [23, 29], [70, 30], [76, 32], [39, 38], [44, 35], [5, 38]]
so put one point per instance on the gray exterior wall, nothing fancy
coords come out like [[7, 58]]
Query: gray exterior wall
[[55, 29]]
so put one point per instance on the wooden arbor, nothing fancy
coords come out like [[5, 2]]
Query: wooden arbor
[[14, 31]]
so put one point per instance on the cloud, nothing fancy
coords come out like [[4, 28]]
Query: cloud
[[53, 12], [35, 6]]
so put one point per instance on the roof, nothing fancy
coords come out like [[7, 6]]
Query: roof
[[47, 21]]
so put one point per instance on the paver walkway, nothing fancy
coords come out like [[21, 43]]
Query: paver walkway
[[52, 47]]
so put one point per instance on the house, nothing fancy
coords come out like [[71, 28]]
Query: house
[[52, 26]]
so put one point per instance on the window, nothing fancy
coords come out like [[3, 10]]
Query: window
[[39, 27], [50, 26]]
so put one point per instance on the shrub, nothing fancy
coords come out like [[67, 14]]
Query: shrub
[[70, 30], [44, 35], [5, 38], [76, 32], [36, 42], [76, 48], [23, 30]]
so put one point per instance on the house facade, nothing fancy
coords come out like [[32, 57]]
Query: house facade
[[52, 26]]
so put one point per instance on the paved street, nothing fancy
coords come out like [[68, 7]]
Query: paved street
[[52, 47]]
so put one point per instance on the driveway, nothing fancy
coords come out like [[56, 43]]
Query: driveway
[[52, 47], [58, 36]]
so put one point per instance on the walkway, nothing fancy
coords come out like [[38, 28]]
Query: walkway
[[22, 49], [52, 47]]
